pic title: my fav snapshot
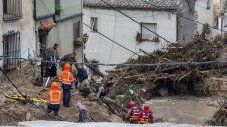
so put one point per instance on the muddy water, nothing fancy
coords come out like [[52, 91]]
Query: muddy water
[[187, 110]]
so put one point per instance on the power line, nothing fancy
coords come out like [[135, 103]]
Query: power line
[[135, 21], [190, 8], [181, 16], [204, 8], [103, 36], [134, 65], [111, 40], [25, 96]]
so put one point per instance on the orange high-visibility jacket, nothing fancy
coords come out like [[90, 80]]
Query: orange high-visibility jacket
[[66, 77], [54, 96]]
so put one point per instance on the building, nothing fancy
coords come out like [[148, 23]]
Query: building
[[29, 27], [58, 21], [205, 13], [17, 32], [161, 19], [221, 9]]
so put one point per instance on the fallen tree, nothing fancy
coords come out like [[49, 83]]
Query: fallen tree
[[178, 68], [220, 117]]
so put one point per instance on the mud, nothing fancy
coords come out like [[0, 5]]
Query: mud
[[187, 110], [12, 111], [183, 110]]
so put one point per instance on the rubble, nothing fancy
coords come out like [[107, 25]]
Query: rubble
[[220, 117], [169, 77], [13, 111]]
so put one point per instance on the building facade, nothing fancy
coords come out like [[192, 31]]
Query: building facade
[[58, 21], [17, 32], [206, 13], [220, 9], [100, 17]]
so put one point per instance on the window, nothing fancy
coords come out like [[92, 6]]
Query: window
[[12, 9], [57, 7], [146, 34], [76, 34], [11, 48], [94, 23], [208, 4], [76, 30]]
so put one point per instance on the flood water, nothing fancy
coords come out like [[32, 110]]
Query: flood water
[[187, 110]]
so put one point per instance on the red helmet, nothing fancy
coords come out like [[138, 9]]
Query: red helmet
[[146, 107], [132, 104]]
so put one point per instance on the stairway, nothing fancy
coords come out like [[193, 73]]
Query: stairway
[[221, 82]]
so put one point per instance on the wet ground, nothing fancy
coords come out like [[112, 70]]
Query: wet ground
[[183, 110], [70, 124]]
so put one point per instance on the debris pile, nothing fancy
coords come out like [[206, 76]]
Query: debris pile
[[220, 117], [13, 111], [168, 76]]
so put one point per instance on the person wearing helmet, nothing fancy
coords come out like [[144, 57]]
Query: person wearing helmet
[[145, 117], [133, 112], [54, 97], [66, 78]]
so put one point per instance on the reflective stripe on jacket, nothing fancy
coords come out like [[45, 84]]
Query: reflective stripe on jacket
[[55, 97], [145, 118], [134, 114], [66, 77]]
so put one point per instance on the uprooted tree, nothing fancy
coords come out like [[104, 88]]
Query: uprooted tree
[[168, 73]]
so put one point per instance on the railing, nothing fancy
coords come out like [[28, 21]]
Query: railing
[[148, 36], [11, 48], [12, 9]]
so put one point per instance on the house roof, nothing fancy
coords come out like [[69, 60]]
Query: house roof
[[134, 4]]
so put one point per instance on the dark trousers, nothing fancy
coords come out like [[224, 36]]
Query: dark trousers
[[83, 116], [53, 107], [52, 72], [66, 94]]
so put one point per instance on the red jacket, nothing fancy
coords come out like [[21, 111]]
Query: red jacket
[[132, 111], [145, 117]]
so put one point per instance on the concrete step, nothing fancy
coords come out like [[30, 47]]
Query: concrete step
[[219, 84]]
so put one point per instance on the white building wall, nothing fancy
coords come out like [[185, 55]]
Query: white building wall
[[26, 27], [1, 40], [62, 34], [124, 31], [205, 15], [224, 23]]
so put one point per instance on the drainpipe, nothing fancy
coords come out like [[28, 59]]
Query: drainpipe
[[222, 25], [83, 46]]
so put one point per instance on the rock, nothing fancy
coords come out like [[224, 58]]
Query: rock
[[163, 92], [120, 97], [28, 116]]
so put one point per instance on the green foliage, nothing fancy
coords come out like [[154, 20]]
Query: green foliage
[[82, 39], [139, 37], [58, 8]]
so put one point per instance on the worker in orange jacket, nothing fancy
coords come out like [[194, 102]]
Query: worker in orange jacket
[[54, 97], [67, 79]]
